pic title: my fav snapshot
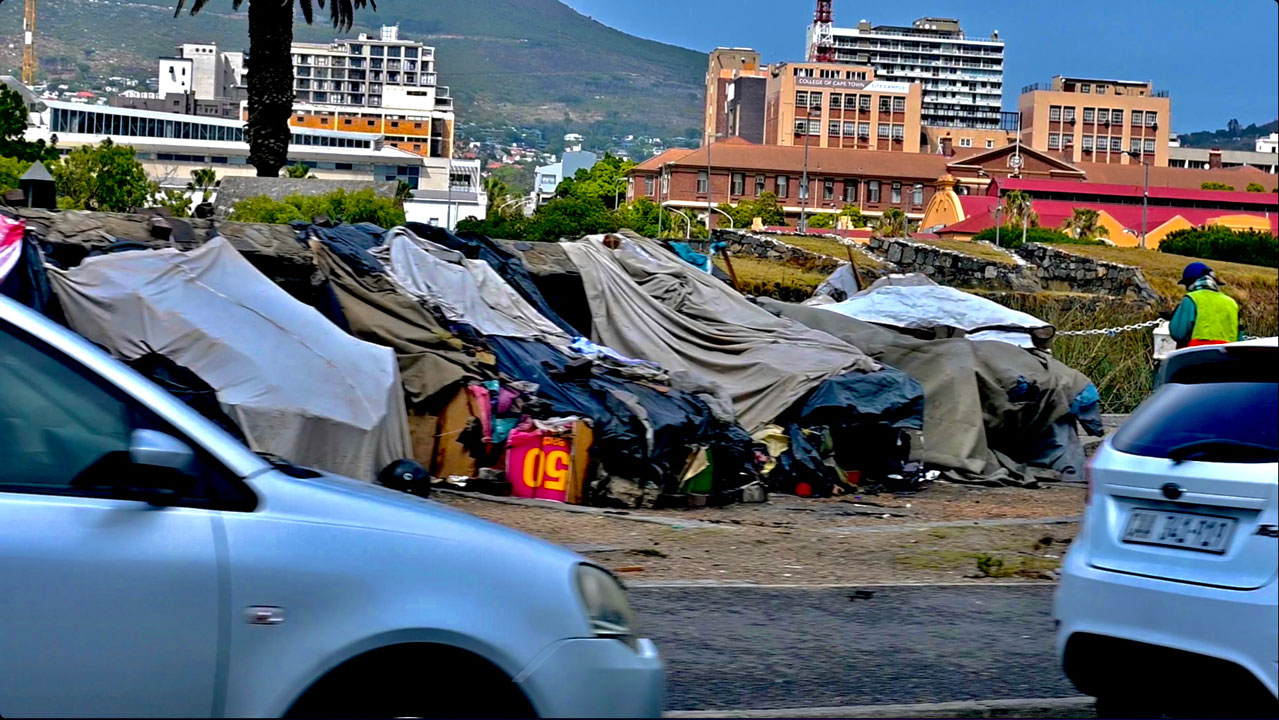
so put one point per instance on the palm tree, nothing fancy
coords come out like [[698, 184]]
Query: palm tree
[[270, 67], [892, 224], [1083, 224], [203, 180], [497, 192], [1018, 209]]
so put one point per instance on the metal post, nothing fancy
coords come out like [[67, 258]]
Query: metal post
[[998, 222], [803, 184], [710, 205], [1145, 202], [448, 211]]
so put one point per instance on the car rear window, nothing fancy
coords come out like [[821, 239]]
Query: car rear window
[[1228, 422]]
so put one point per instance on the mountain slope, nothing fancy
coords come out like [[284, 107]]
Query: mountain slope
[[518, 61], [1241, 138]]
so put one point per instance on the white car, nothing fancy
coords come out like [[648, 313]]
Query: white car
[[1168, 601]]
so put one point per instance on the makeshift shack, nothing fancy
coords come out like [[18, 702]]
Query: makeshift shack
[[293, 383]]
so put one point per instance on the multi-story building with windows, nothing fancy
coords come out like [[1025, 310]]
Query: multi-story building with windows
[[382, 85], [962, 77], [1092, 120], [840, 106], [725, 66]]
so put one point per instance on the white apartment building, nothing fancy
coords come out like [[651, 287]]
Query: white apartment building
[[203, 70], [1268, 144], [962, 76]]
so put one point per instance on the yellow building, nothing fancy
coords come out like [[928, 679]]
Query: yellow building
[[840, 106], [1090, 120]]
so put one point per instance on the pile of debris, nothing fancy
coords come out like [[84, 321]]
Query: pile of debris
[[614, 370]]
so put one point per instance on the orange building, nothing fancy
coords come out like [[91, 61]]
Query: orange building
[[1090, 120], [419, 134], [840, 106], [726, 65]]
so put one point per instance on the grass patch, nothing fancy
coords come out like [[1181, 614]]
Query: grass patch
[[831, 248], [771, 278], [1254, 287], [971, 249]]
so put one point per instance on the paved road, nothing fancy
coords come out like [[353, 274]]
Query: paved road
[[735, 648]]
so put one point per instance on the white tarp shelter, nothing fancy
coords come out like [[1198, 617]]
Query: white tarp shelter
[[296, 384]]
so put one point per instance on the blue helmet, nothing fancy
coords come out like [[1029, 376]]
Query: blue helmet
[[1193, 272]]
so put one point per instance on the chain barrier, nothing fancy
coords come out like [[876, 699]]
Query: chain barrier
[[1111, 331]]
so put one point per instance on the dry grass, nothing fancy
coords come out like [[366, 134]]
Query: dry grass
[[1255, 288], [972, 249], [831, 248], [775, 279]]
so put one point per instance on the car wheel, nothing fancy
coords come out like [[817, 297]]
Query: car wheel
[[1122, 706]]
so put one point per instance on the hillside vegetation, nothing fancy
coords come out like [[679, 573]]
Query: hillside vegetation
[[506, 61]]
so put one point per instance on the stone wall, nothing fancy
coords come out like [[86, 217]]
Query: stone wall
[[757, 246], [956, 269], [1060, 269]]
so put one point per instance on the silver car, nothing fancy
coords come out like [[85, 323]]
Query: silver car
[[151, 565]]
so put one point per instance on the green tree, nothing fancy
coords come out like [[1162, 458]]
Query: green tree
[[854, 215], [498, 194], [822, 221], [1010, 236], [177, 202], [13, 127], [1019, 210], [339, 206], [270, 66], [297, 172], [504, 227], [765, 207], [571, 218], [11, 171], [1083, 225], [202, 181], [1214, 242], [102, 177], [1255, 187], [892, 224], [605, 181], [1213, 185]]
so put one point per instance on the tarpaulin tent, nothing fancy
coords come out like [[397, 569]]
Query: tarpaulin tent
[[647, 304], [296, 385], [433, 362], [914, 302], [990, 408]]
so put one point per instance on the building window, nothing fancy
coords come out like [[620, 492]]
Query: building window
[[836, 101], [814, 127], [917, 195], [1054, 141], [1117, 117], [1149, 146], [1054, 113], [1068, 114], [815, 100], [833, 128], [759, 185], [872, 191], [863, 130], [1116, 144], [739, 183], [883, 130], [897, 193], [899, 104], [701, 182], [965, 142], [648, 185], [1087, 143], [1090, 115], [1152, 118], [1085, 88], [1135, 145], [800, 126], [828, 190], [990, 144], [850, 129], [885, 104], [783, 186], [666, 184], [864, 103], [899, 132], [850, 191], [1137, 117], [801, 98], [850, 101]]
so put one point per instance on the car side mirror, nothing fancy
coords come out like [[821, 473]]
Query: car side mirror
[[163, 468]]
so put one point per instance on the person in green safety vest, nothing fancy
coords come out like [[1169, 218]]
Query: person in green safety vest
[[1206, 316]]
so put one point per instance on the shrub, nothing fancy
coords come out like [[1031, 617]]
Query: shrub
[[339, 206], [1255, 187], [1010, 237], [1213, 242], [822, 220]]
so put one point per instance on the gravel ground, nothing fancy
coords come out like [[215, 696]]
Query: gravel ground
[[788, 540]]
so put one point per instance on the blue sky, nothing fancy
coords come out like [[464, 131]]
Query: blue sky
[[1218, 59]]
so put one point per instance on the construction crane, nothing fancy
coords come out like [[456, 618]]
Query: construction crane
[[823, 47], [29, 45]]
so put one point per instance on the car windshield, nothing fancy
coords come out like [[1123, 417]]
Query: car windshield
[[1222, 422]]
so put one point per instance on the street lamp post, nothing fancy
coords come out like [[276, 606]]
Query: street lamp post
[[731, 225], [803, 187], [688, 223], [998, 209], [1145, 192], [710, 205]]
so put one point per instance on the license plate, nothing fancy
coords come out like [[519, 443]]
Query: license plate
[[1204, 533]]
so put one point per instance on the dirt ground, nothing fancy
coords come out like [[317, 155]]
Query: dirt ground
[[946, 533]]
